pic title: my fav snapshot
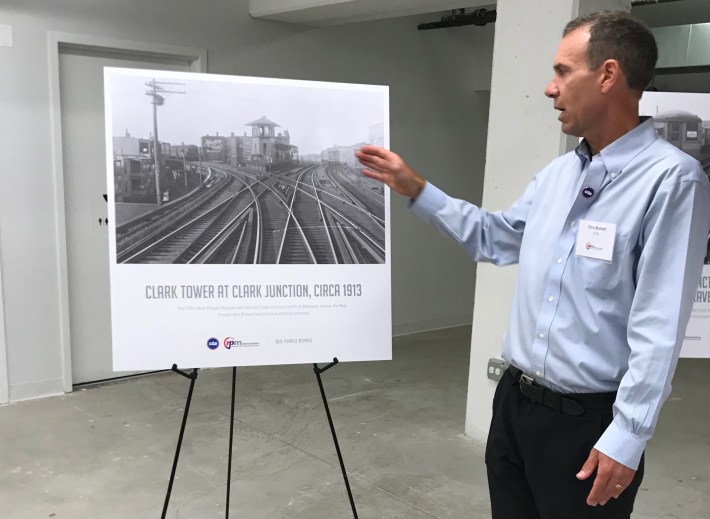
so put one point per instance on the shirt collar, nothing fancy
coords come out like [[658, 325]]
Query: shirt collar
[[620, 152]]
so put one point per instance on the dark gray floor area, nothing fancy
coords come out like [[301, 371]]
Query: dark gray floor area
[[106, 451]]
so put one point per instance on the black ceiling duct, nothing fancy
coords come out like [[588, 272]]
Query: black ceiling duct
[[480, 17], [635, 3], [460, 17]]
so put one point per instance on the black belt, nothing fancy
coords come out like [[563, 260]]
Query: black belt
[[574, 404]]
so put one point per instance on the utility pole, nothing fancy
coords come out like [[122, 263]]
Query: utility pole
[[199, 154], [184, 164], [156, 92]]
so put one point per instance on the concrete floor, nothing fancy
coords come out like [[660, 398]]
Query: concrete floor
[[106, 451]]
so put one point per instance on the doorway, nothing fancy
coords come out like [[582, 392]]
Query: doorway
[[82, 185]]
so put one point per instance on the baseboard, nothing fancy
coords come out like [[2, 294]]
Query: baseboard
[[426, 325], [38, 389]]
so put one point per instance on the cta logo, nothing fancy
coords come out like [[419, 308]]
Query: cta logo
[[231, 342], [213, 343], [589, 246]]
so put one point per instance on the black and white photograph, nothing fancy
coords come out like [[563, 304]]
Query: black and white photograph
[[683, 119], [230, 170]]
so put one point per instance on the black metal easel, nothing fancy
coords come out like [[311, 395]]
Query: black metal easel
[[193, 377], [318, 372]]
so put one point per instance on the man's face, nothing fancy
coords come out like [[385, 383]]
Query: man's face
[[574, 88]]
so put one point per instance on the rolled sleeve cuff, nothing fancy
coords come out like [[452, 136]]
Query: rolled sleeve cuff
[[428, 202], [621, 446]]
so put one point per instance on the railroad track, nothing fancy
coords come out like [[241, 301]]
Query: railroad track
[[181, 241], [298, 217], [139, 232]]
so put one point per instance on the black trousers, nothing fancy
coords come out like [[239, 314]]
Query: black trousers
[[533, 455]]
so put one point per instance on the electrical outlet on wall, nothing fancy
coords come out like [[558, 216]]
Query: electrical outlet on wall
[[496, 367]]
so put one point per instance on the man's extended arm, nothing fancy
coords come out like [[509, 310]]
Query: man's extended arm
[[492, 237]]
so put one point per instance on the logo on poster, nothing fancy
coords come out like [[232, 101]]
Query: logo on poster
[[213, 343], [230, 342]]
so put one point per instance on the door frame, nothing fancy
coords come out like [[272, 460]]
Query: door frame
[[56, 42], [4, 374]]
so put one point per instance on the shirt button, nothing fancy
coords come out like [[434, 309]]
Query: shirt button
[[551, 299], [573, 223], [559, 260], [613, 175], [537, 373], [541, 335]]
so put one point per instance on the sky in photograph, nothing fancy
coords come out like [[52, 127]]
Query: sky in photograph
[[317, 115], [653, 103]]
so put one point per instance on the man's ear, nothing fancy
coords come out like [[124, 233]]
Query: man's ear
[[610, 75]]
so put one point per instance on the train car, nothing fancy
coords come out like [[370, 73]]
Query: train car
[[682, 129]]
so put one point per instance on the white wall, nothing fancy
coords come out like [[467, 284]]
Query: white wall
[[438, 121]]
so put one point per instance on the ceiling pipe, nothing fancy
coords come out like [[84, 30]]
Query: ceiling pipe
[[635, 3], [459, 18], [481, 17]]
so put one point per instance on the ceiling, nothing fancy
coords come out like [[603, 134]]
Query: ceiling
[[337, 12]]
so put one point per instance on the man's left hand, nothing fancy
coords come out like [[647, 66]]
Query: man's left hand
[[611, 480]]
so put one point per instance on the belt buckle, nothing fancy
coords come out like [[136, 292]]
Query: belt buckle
[[531, 390], [527, 379]]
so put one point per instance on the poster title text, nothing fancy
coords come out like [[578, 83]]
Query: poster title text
[[302, 291]]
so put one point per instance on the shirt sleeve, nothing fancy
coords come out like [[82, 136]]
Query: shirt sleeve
[[490, 237], [674, 235]]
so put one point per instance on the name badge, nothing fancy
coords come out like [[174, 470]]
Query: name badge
[[596, 240]]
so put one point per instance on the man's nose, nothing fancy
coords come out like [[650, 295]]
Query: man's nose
[[551, 90]]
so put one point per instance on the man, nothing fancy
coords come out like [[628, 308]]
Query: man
[[610, 240]]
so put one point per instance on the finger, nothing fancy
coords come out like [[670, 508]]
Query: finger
[[618, 489], [598, 494], [377, 162], [603, 492], [589, 466], [373, 167], [610, 492], [370, 157], [373, 175], [368, 149], [369, 161]]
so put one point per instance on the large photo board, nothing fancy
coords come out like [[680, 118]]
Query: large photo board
[[243, 231], [683, 119]]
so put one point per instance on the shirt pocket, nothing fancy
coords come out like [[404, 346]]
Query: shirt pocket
[[601, 275]]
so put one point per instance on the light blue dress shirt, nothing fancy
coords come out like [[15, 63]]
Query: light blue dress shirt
[[583, 325]]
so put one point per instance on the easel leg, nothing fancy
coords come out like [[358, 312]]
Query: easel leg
[[318, 372], [231, 440], [192, 376]]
